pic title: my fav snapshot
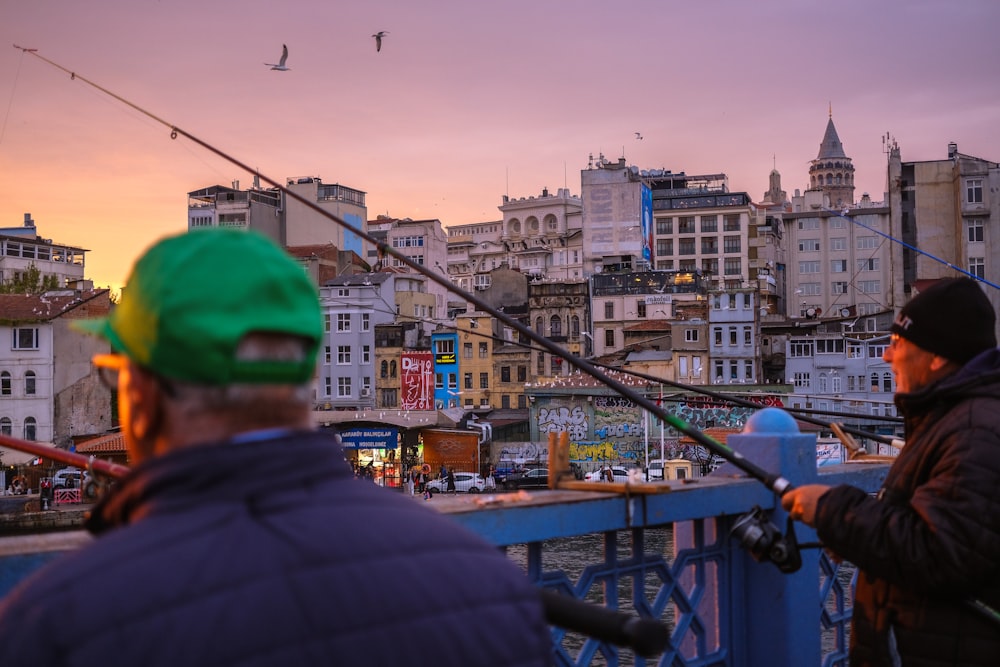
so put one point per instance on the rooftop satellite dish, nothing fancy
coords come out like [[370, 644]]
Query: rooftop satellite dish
[[844, 312]]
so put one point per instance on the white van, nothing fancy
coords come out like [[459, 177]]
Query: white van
[[675, 469]]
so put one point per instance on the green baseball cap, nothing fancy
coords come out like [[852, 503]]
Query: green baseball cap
[[191, 299]]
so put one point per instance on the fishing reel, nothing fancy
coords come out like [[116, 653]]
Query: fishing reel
[[765, 542]]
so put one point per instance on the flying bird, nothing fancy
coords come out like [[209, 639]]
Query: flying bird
[[378, 39], [638, 136], [281, 63]]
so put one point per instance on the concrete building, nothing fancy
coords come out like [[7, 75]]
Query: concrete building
[[946, 212], [422, 242], [22, 248], [282, 218], [734, 345], [48, 390], [352, 307]]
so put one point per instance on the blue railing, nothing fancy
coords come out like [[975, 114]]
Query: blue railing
[[671, 556]]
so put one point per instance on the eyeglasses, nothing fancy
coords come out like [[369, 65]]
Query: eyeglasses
[[108, 366]]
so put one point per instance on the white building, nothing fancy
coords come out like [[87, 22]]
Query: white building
[[48, 390], [22, 247]]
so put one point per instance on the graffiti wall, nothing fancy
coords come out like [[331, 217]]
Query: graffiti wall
[[610, 428]]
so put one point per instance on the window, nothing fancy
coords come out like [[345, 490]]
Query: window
[[609, 338], [974, 229], [25, 338], [609, 310], [801, 379], [389, 398], [732, 336], [691, 335], [809, 267], [344, 387], [366, 354], [392, 368], [522, 373], [343, 292], [709, 245], [5, 386], [574, 326], [664, 247], [685, 224], [748, 370], [717, 335], [685, 246], [809, 245], [876, 350], [344, 322], [366, 321], [327, 354], [664, 225], [555, 326], [810, 289], [731, 222], [505, 373], [838, 287], [977, 267], [710, 267], [326, 322], [836, 383], [384, 369], [467, 350], [854, 350], [838, 266], [838, 243], [444, 346], [830, 346], [709, 223], [6, 426], [733, 266], [484, 380], [974, 191], [747, 336], [439, 380], [801, 348], [731, 244], [809, 223], [640, 309], [343, 354], [867, 242], [870, 264], [30, 428], [887, 382], [468, 380], [484, 350], [870, 286], [452, 380]]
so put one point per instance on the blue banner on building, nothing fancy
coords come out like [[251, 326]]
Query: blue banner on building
[[370, 438]]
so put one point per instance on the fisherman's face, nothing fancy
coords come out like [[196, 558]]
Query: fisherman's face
[[913, 366]]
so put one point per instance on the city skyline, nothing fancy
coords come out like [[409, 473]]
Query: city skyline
[[465, 104]]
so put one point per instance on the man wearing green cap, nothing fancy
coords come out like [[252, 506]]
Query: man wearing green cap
[[240, 537]]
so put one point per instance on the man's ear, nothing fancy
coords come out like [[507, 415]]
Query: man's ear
[[939, 364], [145, 409]]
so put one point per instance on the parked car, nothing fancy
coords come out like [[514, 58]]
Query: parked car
[[465, 482], [68, 478], [536, 478], [618, 475]]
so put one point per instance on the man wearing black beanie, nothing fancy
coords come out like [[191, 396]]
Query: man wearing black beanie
[[928, 545]]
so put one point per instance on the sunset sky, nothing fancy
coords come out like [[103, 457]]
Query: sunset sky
[[467, 101]]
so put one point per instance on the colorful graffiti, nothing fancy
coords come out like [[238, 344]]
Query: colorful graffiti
[[561, 418]]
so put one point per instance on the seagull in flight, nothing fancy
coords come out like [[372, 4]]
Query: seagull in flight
[[281, 63], [638, 136], [378, 39]]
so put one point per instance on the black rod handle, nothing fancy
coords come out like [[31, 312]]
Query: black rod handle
[[646, 636]]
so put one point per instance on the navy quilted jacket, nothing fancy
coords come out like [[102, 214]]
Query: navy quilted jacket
[[931, 539], [270, 553]]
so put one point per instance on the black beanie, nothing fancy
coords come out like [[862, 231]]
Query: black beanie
[[952, 318]]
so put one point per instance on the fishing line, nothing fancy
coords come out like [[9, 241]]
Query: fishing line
[[843, 214]]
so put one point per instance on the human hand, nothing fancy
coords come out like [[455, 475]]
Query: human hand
[[800, 502]]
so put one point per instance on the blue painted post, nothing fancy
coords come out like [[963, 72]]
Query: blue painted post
[[782, 611]]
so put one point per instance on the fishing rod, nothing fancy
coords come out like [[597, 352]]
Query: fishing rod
[[783, 551], [735, 400], [798, 413], [843, 214]]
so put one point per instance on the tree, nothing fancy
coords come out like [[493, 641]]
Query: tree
[[30, 281]]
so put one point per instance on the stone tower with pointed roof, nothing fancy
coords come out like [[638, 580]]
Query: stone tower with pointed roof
[[832, 172]]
